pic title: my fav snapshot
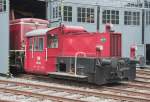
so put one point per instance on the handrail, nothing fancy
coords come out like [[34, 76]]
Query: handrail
[[76, 55], [32, 51], [46, 54], [16, 50]]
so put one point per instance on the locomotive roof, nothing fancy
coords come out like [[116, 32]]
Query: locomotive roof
[[38, 32], [66, 30], [29, 20]]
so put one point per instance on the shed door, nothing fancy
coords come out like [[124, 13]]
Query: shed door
[[140, 50], [140, 54]]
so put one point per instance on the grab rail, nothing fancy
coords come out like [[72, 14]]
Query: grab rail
[[76, 55], [32, 51], [46, 54]]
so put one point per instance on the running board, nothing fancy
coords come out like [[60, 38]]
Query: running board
[[69, 76]]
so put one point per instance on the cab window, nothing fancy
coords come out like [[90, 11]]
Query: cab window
[[52, 41], [30, 44], [38, 44], [41, 44]]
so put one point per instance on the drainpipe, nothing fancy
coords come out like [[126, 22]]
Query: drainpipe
[[98, 19], [143, 32], [143, 25]]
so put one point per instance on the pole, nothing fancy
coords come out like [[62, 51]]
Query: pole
[[62, 12]]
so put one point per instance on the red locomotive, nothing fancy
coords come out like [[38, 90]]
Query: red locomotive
[[18, 28], [71, 52]]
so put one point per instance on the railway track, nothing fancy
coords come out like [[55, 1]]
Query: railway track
[[39, 91], [136, 91], [143, 72]]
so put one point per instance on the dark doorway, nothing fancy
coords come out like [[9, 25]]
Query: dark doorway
[[27, 8], [148, 54]]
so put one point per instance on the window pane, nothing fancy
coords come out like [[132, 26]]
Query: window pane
[[70, 14], [92, 11], [30, 43], [65, 7], [79, 14], [104, 21], [69, 19], [110, 16], [79, 19], [85, 15], [83, 19], [65, 18], [53, 12], [69, 8], [113, 22], [113, 12], [79, 9], [35, 44], [67, 13], [117, 13], [41, 44], [83, 9], [117, 21], [88, 10], [2, 5], [52, 41], [108, 11]]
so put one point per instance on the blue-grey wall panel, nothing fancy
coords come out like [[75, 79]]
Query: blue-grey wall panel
[[4, 41]]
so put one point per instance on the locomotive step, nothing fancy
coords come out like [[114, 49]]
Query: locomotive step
[[68, 76]]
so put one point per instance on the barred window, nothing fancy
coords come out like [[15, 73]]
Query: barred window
[[146, 4], [110, 16], [131, 18], [2, 5], [127, 18], [68, 13], [85, 15], [147, 17], [56, 12]]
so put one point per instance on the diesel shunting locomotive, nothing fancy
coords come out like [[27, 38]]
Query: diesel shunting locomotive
[[71, 52]]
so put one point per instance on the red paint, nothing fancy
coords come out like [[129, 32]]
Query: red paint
[[132, 51], [19, 27], [71, 40]]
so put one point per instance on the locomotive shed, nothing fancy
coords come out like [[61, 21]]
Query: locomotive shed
[[40, 88], [27, 9]]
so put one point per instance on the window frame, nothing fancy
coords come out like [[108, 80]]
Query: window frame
[[30, 43], [3, 6], [85, 15], [54, 44], [67, 17], [147, 17], [36, 44], [110, 16], [132, 18]]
